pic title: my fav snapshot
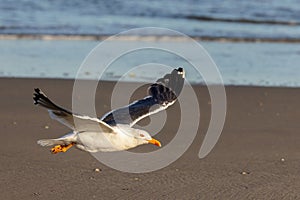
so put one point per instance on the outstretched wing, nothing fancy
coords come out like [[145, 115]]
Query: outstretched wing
[[66, 117], [162, 94]]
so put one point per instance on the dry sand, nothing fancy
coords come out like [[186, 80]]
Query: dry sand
[[262, 127]]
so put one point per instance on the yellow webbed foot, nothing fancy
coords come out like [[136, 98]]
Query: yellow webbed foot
[[61, 148]]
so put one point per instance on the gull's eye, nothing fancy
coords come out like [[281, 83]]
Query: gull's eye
[[142, 135]]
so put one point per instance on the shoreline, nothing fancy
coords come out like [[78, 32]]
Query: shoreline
[[92, 37], [132, 82]]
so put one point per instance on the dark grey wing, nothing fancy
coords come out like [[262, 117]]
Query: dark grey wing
[[66, 117], [162, 94]]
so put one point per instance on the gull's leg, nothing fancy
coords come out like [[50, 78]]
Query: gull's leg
[[61, 148]]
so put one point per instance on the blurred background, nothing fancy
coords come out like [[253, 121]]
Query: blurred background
[[252, 42]]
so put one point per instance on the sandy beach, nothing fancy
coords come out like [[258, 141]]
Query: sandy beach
[[256, 157]]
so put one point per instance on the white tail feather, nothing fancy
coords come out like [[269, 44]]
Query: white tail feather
[[50, 142]]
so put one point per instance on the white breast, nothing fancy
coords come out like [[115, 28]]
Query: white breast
[[97, 141]]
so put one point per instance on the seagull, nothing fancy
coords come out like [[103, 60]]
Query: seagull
[[115, 130]]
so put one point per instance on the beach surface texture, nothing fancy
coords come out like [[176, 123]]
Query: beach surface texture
[[256, 157]]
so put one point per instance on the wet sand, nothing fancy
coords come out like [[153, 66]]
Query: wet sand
[[256, 157]]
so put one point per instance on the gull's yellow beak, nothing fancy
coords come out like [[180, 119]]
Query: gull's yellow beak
[[155, 142]]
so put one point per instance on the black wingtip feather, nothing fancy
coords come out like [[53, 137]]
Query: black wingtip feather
[[39, 98], [168, 88], [37, 95]]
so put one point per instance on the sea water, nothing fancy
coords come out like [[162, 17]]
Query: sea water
[[213, 18], [240, 63]]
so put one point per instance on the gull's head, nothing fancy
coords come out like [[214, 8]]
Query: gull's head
[[143, 137]]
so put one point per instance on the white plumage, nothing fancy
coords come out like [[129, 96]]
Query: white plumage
[[114, 131]]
